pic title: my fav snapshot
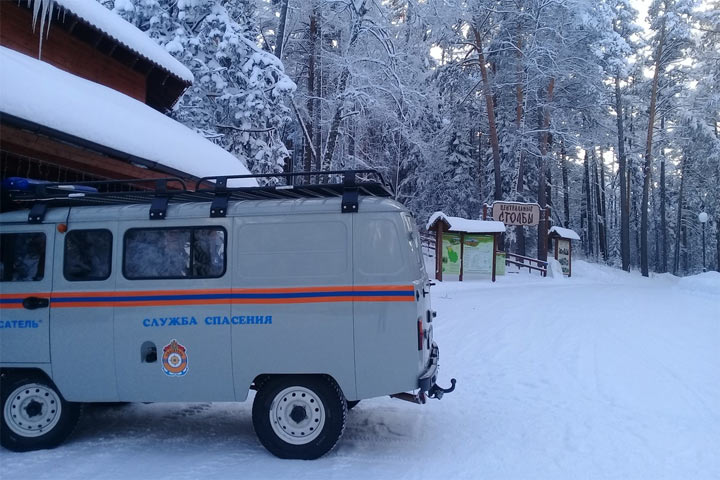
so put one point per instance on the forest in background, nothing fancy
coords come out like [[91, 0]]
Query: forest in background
[[569, 103]]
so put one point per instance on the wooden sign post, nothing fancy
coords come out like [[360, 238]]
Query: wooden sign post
[[562, 238]]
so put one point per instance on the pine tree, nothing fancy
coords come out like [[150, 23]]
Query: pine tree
[[239, 96]]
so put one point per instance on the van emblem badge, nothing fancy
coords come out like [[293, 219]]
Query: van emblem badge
[[174, 359]]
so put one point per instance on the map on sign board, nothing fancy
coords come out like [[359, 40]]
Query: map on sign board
[[451, 253], [514, 213], [477, 254]]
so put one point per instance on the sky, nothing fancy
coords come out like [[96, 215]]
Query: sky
[[642, 7]]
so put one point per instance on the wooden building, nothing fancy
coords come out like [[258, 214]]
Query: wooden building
[[465, 247], [89, 101]]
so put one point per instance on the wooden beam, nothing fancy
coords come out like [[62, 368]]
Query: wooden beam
[[494, 254], [100, 37], [438, 251], [32, 145], [73, 24], [462, 254]]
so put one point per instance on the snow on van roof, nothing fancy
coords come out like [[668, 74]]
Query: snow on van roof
[[458, 224], [564, 233], [116, 27], [40, 93]]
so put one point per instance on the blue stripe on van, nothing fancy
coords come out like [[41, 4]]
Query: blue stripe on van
[[11, 300], [230, 296]]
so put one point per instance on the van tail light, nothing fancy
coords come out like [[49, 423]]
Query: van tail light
[[421, 334]]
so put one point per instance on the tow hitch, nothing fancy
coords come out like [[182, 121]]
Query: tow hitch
[[426, 382], [436, 391]]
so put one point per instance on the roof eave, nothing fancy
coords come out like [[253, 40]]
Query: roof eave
[[96, 147]]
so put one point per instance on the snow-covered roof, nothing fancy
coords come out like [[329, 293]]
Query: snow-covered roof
[[458, 224], [40, 93], [116, 27], [564, 233]]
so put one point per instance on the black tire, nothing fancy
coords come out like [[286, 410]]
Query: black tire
[[28, 401], [351, 404], [308, 413]]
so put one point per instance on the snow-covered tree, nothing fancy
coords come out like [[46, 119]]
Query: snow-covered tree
[[240, 95], [461, 103]]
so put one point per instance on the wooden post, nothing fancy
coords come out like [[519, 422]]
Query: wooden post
[[438, 251], [485, 211], [462, 254], [569, 258], [544, 248], [494, 254]]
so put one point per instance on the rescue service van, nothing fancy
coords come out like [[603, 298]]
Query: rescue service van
[[315, 296]]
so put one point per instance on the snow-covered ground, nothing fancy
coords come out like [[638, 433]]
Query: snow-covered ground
[[606, 375]]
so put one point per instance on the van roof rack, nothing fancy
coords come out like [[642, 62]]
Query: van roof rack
[[348, 184]]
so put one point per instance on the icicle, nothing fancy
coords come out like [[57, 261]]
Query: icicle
[[42, 9]]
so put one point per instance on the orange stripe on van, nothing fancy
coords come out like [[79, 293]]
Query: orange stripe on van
[[20, 296], [235, 301], [142, 298], [139, 293]]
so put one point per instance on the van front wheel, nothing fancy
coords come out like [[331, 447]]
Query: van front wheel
[[34, 414], [299, 416]]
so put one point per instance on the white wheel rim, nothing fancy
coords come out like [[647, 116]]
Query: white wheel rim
[[32, 410], [297, 415]]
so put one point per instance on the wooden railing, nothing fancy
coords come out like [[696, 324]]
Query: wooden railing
[[428, 243], [526, 262]]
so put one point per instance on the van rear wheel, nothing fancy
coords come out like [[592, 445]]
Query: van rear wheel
[[34, 414], [299, 416]]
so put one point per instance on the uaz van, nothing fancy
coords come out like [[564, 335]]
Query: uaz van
[[315, 296]]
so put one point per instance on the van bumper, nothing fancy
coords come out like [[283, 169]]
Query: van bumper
[[428, 377], [427, 381], [428, 388]]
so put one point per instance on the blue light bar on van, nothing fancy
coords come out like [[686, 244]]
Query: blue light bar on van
[[28, 184]]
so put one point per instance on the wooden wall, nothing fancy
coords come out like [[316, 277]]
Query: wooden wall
[[66, 52]]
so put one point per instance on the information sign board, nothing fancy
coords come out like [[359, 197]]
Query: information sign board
[[514, 213], [478, 254], [563, 255], [451, 253]]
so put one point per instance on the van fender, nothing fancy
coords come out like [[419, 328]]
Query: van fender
[[26, 368], [42, 369], [261, 379]]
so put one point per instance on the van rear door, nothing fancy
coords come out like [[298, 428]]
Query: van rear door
[[388, 289], [26, 253], [424, 309]]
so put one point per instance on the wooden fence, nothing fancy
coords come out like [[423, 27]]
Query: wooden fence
[[526, 262]]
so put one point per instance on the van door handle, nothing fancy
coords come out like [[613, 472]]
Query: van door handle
[[31, 303]]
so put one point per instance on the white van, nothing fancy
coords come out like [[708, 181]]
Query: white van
[[314, 295]]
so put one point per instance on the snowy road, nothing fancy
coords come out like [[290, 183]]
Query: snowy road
[[605, 375]]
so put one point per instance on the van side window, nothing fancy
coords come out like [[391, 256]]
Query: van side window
[[22, 257], [188, 252], [293, 249], [88, 255], [379, 247], [415, 243]]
